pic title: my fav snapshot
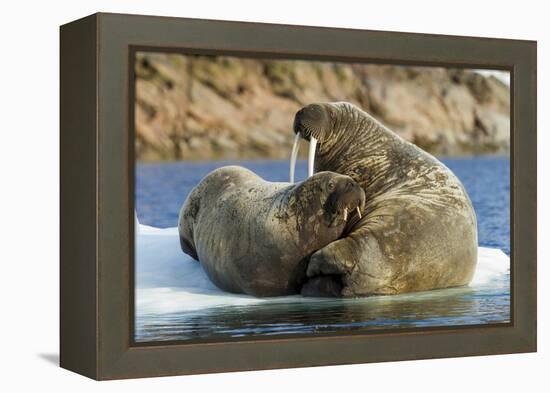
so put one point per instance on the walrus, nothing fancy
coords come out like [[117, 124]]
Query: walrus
[[254, 237], [418, 228]]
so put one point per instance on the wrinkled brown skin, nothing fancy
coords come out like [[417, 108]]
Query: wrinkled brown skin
[[253, 236], [418, 230]]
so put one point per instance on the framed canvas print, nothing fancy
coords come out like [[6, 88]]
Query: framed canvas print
[[241, 196]]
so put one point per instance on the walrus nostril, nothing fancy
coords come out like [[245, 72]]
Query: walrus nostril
[[300, 114], [313, 112], [310, 113]]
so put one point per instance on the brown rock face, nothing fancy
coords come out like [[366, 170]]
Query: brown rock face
[[206, 107]]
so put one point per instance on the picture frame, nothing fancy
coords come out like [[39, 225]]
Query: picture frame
[[97, 195]]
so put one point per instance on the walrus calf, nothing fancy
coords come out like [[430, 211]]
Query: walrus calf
[[254, 237], [418, 228]]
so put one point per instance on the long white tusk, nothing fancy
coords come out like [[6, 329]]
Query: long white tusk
[[359, 212], [294, 155], [345, 214], [311, 156]]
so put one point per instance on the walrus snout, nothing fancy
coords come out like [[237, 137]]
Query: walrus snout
[[356, 199], [346, 198], [310, 123], [311, 120]]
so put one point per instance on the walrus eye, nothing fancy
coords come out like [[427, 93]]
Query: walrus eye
[[330, 186]]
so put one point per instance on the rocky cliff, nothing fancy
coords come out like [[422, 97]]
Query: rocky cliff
[[201, 107]]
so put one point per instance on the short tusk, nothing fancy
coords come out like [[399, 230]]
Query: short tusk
[[294, 155], [311, 156], [345, 214], [359, 212]]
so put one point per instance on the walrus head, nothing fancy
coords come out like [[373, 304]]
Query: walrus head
[[337, 196], [318, 124], [314, 121], [322, 125]]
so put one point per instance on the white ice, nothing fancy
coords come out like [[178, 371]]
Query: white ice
[[167, 280]]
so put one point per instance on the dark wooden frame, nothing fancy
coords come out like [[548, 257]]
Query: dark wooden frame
[[97, 196]]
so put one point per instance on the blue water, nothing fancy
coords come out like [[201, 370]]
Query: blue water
[[162, 188]]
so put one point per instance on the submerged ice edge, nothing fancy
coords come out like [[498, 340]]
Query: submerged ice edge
[[169, 281]]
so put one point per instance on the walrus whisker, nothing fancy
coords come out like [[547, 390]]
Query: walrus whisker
[[294, 155], [311, 156]]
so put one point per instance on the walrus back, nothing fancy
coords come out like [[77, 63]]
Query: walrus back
[[209, 186], [219, 220], [419, 228], [427, 206]]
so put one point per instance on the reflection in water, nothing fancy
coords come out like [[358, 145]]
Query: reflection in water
[[449, 307]]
